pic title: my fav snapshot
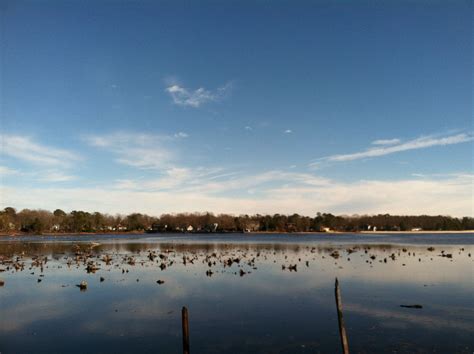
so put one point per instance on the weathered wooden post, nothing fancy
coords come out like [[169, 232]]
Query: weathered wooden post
[[342, 327], [184, 316]]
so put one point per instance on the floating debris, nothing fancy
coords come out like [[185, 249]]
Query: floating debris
[[91, 267], [412, 306], [292, 268]]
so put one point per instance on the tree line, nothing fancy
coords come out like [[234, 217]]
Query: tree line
[[43, 221]]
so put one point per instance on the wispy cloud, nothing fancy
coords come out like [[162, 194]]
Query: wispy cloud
[[418, 143], [386, 142], [144, 151], [447, 196], [219, 181], [181, 135], [170, 179], [26, 149], [195, 98], [6, 171], [55, 176], [261, 182], [177, 179], [288, 131]]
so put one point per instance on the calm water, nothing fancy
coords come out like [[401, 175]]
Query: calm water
[[266, 308]]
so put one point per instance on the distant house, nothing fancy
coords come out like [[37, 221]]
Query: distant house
[[325, 229], [55, 227], [252, 226], [417, 229], [190, 228]]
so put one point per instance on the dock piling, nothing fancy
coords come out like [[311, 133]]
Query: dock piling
[[342, 327], [184, 317]]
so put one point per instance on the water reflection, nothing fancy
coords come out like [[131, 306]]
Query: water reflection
[[249, 296]]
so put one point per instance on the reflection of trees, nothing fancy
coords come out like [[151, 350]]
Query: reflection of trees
[[58, 249]]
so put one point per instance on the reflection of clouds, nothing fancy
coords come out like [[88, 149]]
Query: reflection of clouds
[[144, 307], [322, 267], [133, 323], [18, 316], [442, 321]]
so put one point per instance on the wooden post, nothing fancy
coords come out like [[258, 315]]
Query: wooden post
[[184, 316], [342, 328]]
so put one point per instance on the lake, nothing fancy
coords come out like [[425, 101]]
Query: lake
[[265, 293]]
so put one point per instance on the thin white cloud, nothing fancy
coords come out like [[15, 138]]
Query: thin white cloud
[[144, 151], [181, 135], [217, 181], [288, 131], [171, 178], [55, 176], [386, 142], [24, 148], [195, 98], [126, 184], [418, 143], [7, 171], [176, 179], [448, 196]]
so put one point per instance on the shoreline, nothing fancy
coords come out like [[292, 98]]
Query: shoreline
[[59, 234], [418, 232]]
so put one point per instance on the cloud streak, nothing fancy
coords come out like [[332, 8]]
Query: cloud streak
[[386, 142], [24, 148], [55, 176], [395, 147], [277, 193], [218, 181], [195, 98], [143, 151], [6, 171]]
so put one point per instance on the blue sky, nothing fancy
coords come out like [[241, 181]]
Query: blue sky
[[238, 106]]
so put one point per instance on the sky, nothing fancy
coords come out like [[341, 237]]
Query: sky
[[237, 106]]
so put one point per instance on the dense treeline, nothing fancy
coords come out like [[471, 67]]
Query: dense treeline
[[42, 221]]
